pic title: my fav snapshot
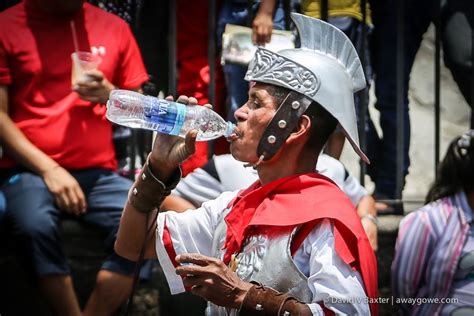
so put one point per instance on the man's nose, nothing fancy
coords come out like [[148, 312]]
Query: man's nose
[[240, 114]]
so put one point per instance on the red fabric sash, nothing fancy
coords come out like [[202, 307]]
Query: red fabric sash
[[303, 200]]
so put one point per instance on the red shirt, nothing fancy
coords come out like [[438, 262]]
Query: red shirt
[[35, 64], [193, 70]]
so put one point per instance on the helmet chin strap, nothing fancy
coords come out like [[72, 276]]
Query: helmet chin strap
[[255, 165], [283, 123]]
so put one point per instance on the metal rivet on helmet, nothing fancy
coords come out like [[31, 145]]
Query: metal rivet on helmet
[[281, 123], [271, 139], [295, 105]]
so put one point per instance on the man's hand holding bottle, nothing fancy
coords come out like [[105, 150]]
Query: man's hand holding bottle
[[170, 151]]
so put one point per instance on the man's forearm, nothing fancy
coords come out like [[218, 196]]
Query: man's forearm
[[132, 233], [176, 203], [261, 300], [368, 215], [158, 177], [366, 206], [144, 200], [267, 7], [21, 149]]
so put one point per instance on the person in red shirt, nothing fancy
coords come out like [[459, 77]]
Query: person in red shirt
[[194, 71], [59, 157]]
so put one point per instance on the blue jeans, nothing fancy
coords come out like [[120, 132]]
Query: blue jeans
[[382, 151], [236, 12], [33, 217], [457, 26]]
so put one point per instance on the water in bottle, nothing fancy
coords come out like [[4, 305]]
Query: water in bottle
[[132, 109]]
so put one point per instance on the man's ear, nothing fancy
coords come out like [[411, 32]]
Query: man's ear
[[301, 130]]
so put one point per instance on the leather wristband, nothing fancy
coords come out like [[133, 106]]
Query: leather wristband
[[148, 192], [261, 300]]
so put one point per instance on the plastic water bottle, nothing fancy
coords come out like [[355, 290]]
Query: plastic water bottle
[[132, 109]]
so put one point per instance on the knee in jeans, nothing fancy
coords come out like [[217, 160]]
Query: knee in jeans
[[37, 229]]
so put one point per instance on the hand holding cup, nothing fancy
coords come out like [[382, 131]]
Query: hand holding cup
[[89, 82], [96, 88]]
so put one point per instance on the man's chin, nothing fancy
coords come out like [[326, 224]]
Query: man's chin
[[233, 149], [237, 153], [241, 156]]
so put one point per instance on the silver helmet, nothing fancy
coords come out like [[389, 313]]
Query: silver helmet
[[326, 69]]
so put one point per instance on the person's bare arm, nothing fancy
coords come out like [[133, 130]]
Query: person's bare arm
[[132, 233], [65, 188], [167, 154], [367, 213], [262, 24], [176, 203], [17, 144]]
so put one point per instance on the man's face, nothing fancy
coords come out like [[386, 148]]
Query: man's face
[[252, 119]]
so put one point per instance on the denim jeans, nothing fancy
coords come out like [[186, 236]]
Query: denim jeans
[[32, 217], [236, 12], [457, 26], [382, 151]]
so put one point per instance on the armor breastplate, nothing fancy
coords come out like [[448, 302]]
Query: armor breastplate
[[266, 259]]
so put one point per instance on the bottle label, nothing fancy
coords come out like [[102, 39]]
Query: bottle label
[[180, 116], [170, 117]]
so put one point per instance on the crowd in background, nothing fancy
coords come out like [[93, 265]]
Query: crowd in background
[[60, 155]]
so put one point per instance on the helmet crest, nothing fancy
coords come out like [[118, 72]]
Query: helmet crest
[[326, 69]]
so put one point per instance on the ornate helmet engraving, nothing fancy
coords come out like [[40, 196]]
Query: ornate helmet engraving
[[326, 69]]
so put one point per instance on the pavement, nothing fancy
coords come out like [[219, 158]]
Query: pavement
[[455, 115]]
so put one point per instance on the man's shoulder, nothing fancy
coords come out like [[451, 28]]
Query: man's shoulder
[[321, 181], [332, 168], [222, 201], [432, 215], [232, 173], [11, 15], [322, 191]]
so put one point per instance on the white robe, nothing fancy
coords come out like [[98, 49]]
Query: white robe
[[331, 281]]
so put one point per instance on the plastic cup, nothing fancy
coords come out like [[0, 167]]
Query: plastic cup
[[81, 63]]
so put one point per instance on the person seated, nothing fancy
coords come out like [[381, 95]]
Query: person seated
[[223, 173], [59, 158], [291, 243], [435, 245]]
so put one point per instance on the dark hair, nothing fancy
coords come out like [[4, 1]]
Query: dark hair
[[323, 125], [456, 171], [279, 94]]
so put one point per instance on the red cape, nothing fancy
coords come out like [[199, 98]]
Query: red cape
[[304, 200]]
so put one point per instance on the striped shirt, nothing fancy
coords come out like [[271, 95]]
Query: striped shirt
[[427, 252]]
